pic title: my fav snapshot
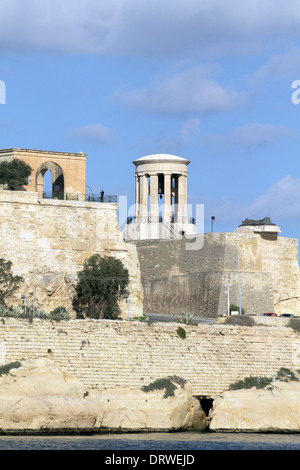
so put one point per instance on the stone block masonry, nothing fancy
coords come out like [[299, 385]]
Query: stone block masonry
[[55, 237], [177, 279], [110, 354], [73, 167]]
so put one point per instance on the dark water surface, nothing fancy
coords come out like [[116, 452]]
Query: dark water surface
[[181, 441]]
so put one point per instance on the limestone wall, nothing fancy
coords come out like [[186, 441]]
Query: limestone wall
[[177, 278], [54, 238], [109, 354]]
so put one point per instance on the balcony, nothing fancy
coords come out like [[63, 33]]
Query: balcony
[[80, 197]]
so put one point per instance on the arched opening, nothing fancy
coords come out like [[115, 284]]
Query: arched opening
[[50, 181]]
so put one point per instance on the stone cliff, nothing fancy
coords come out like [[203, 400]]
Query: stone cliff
[[39, 396], [254, 410]]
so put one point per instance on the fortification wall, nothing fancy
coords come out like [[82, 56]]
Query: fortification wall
[[54, 238], [109, 354], [177, 278]]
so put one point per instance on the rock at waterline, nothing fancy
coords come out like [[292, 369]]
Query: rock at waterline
[[257, 410], [40, 396]]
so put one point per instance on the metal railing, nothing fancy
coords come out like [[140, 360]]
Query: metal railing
[[80, 197], [101, 198], [173, 220]]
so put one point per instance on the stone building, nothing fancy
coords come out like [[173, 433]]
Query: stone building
[[52, 237], [161, 210], [48, 237], [67, 171]]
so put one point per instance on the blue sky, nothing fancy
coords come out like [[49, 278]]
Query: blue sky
[[208, 80]]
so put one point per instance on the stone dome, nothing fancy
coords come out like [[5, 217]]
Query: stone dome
[[161, 157]]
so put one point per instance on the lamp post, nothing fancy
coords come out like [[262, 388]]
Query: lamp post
[[25, 303], [212, 222], [128, 302]]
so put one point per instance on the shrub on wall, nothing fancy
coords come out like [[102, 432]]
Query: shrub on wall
[[186, 317], [181, 332], [8, 282], [166, 384], [284, 375], [249, 382], [14, 173], [101, 284], [7, 367], [58, 314]]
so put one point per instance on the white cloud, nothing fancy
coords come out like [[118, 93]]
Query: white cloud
[[170, 28], [190, 129], [185, 92], [281, 200], [253, 135], [278, 66], [173, 144], [92, 132]]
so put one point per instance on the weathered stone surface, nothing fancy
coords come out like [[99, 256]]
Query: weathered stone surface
[[125, 409], [190, 275], [40, 396], [258, 410], [54, 238], [107, 354]]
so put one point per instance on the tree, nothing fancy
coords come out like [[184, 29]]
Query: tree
[[14, 173], [101, 284], [8, 282]]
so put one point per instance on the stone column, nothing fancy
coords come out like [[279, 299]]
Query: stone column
[[182, 198], [167, 197], [143, 207], [154, 213], [137, 196]]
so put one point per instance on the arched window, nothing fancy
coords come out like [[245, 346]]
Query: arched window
[[50, 181]]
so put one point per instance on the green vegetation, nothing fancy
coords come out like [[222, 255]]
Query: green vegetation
[[240, 320], [284, 375], [181, 332], [235, 308], [14, 173], [249, 382], [166, 384], [58, 314], [7, 367], [142, 318], [186, 317], [294, 323], [101, 284], [8, 282]]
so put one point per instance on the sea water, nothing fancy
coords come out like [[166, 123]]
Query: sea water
[[177, 441]]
